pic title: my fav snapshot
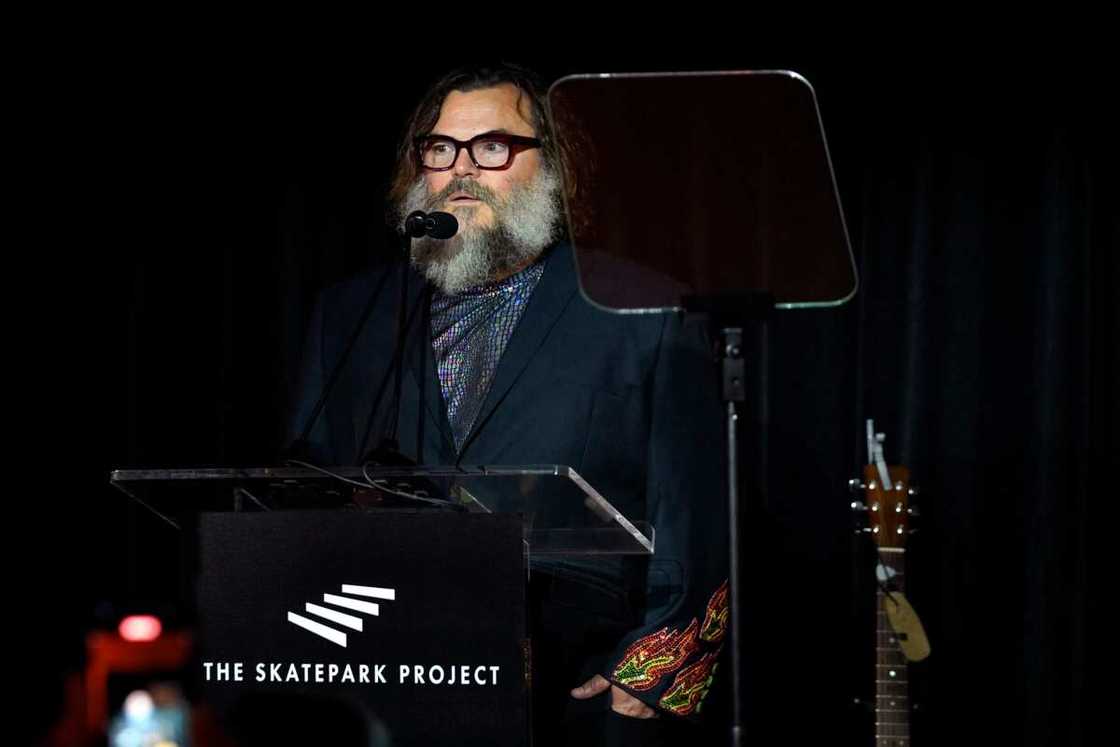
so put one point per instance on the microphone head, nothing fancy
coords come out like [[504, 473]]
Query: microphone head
[[441, 225], [414, 224]]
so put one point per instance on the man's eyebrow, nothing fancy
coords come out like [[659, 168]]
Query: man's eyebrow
[[499, 131]]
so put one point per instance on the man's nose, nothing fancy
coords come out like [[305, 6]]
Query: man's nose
[[464, 166]]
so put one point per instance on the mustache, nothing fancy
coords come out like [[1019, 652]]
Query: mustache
[[466, 186]]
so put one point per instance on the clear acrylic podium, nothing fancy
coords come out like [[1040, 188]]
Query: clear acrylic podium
[[280, 551], [563, 515]]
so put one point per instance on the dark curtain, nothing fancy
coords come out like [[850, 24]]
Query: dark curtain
[[982, 343], [207, 204]]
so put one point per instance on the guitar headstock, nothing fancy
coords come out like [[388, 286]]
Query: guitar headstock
[[888, 506], [887, 496]]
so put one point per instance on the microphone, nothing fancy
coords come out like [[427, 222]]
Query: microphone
[[436, 224], [439, 226]]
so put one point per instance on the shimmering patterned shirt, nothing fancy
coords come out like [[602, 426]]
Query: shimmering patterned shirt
[[470, 331]]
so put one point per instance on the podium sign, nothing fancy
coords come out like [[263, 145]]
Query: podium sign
[[411, 623]]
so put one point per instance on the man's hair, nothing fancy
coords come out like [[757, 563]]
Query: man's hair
[[557, 156]]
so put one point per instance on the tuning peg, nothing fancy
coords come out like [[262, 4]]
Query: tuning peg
[[911, 531], [913, 511], [855, 485], [913, 491], [858, 506]]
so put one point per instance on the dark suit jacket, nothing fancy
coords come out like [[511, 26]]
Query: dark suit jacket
[[630, 401]]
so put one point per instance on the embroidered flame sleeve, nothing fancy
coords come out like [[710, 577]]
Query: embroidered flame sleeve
[[649, 659], [650, 662]]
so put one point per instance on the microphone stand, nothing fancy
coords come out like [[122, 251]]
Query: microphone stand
[[438, 225]]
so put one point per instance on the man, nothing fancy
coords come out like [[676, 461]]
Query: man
[[509, 364]]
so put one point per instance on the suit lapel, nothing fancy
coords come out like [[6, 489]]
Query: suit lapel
[[421, 362], [553, 293]]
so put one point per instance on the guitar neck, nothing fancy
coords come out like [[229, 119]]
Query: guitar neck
[[892, 699]]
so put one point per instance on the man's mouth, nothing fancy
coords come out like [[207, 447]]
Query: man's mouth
[[461, 198]]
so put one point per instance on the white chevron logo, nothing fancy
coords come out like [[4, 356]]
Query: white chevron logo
[[341, 618]]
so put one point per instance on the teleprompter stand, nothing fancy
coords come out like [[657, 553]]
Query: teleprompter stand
[[722, 183]]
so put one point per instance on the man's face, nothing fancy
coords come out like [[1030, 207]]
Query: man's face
[[507, 217], [464, 115]]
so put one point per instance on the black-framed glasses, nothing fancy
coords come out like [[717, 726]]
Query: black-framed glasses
[[490, 150]]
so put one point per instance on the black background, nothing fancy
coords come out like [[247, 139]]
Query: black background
[[182, 200]]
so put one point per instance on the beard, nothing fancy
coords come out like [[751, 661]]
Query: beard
[[526, 222]]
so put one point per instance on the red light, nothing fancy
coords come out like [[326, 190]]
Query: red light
[[140, 628]]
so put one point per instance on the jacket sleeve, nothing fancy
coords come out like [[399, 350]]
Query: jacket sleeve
[[670, 662]]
